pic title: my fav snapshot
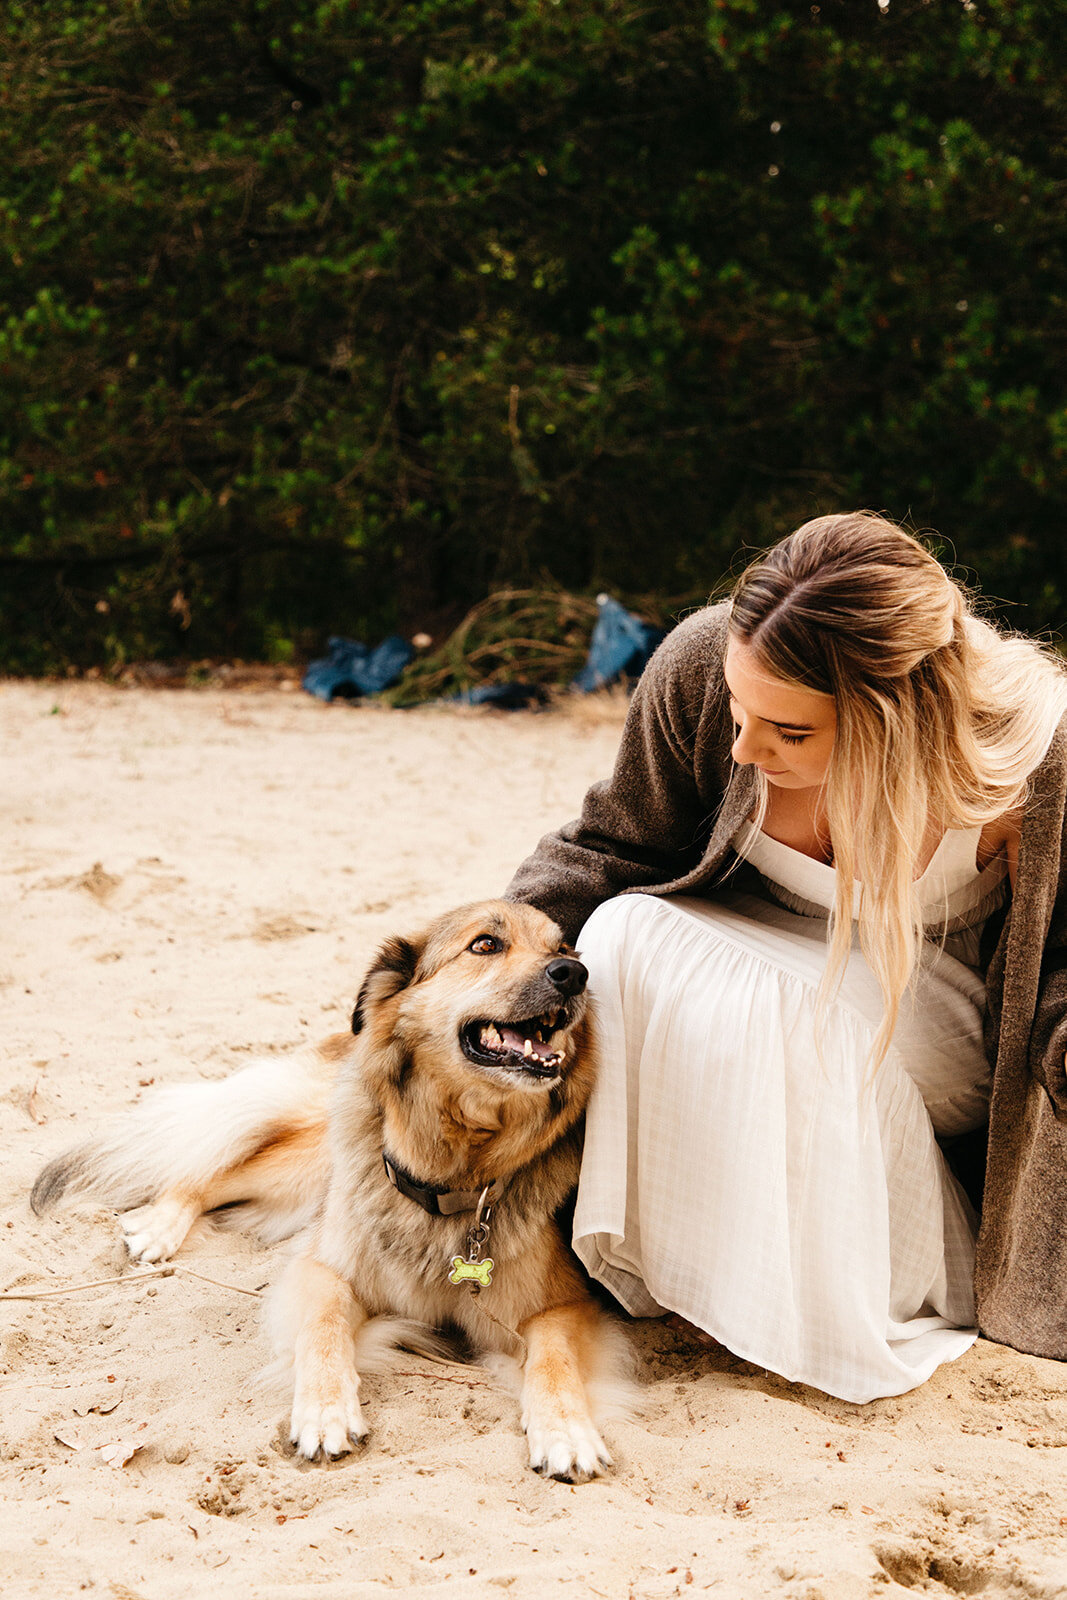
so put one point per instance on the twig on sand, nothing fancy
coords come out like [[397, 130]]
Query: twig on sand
[[475, 1383], [218, 1282], [168, 1271]]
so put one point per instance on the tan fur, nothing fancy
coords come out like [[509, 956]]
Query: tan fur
[[404, 1084], [287, 1171], [336, 1047], [562, 1361]]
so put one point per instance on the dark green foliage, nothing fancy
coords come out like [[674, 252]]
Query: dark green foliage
[[325, 315]]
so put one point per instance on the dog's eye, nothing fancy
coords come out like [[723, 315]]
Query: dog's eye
[[486, 944]]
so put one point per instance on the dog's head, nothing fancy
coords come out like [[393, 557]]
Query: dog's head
[[484, 1009]]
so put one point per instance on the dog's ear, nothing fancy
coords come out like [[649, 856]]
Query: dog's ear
[[394, 967]]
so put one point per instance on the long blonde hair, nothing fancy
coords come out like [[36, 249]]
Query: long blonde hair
[[941, 719]]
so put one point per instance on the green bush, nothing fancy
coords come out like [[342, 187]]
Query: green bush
[[319, 315]]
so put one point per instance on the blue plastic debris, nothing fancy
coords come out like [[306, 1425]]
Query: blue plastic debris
[[505, 696], [620, 646], [352, 669]]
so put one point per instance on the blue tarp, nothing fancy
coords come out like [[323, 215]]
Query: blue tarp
[[620, 646], [352, 669]]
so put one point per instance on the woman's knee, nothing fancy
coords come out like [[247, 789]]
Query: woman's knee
[[614, 921]]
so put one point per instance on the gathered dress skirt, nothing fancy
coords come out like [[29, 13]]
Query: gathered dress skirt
[[747, 1165]]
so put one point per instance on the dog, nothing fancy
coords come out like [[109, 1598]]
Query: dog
[[426, 1155]]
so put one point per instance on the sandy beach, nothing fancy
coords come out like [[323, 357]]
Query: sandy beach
[[195, 877]]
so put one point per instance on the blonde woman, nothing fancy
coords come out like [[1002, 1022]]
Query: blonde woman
[[822, 904]]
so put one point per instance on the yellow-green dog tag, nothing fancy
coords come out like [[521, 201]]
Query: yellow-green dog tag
[[480, 1272]]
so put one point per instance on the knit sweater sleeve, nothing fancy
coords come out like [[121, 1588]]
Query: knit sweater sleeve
[[1048, 1041], [648, 823], [1039, 911], [1048, 1035]]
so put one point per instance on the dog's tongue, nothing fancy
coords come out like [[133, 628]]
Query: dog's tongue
[[518, 1042]]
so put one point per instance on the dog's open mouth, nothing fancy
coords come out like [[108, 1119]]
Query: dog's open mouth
[[518, 1046]]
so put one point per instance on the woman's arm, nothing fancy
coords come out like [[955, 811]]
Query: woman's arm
[[648, 823], [1039, 910]]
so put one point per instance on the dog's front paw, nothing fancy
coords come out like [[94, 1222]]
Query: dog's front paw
[[157, 1232], [330, 1425], [570, 1449]]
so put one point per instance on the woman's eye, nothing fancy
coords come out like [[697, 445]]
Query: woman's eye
[[793, 738], [485, 945]]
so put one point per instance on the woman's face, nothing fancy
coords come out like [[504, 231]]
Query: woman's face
[[785, 731]]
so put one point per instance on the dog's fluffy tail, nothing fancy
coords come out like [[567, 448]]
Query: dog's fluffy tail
[[186, 1136]]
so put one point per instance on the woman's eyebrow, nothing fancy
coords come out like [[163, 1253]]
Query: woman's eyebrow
[[784, 727]]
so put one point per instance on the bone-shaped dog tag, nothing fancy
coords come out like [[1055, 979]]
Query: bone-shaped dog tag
[[480, 1272]]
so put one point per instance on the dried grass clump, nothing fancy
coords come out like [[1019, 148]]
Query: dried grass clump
[[538, 636]]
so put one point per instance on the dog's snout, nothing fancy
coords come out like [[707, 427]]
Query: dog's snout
[[568, 975]]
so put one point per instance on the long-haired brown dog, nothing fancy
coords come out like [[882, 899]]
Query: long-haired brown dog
[[426, 1153]]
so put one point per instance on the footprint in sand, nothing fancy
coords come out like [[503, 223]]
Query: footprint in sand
[[268, 928], [149, 876]]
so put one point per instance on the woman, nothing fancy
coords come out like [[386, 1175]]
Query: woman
[[794, 896]]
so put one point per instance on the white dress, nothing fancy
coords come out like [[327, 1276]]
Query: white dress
[[745, 1166]]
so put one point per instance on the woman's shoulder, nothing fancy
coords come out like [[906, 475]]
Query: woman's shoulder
[[1043, 814], [707, 624], [1056, 754], [696, 644], [680, 697], [1048, 780]]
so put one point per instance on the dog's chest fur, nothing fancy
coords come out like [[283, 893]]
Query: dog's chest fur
[[398, 1257]]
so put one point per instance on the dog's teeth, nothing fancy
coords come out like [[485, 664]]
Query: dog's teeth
[[527, 1048]]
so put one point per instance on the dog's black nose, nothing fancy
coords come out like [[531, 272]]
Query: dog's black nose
[[568, 975]]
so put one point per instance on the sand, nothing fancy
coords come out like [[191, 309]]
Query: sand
[[192, 877]]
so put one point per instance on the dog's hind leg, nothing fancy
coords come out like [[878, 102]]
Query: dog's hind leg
[[317, 1316], [278, 1186], [158, 1231], [562, 1346]]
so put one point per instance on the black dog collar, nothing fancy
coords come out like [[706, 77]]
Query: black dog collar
[[440, 1202]]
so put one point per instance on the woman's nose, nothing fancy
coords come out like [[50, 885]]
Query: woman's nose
[[746, 745]]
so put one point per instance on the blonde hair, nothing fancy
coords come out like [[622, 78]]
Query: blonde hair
[[941, 719]]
